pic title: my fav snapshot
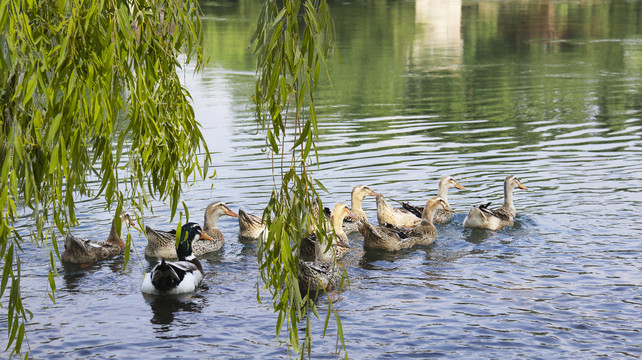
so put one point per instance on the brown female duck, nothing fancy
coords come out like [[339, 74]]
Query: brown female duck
[[483, 217], [410, 216], [79, 251], [392, 238], [162, 244]]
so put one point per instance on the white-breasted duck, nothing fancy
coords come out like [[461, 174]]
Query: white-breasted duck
[[178, 277]]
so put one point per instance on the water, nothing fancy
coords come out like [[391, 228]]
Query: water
[[478, 90]]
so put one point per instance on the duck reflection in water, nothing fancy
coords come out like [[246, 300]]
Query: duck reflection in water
[[164, 308]]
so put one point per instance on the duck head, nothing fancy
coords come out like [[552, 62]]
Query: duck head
[[361, 191], [214, 211], [449, 182], [433, 204], [511, 182], [189, 232]]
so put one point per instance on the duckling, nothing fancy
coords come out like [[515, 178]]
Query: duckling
[[182, 276], [162, 244], [250, 226], [79, 251], [409, 215], [314, 250], [392, 238], [485, 218], [446, 183]]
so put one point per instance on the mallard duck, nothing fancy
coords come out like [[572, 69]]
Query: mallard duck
[[446, 183], [485, 218], [314, 250], [162, 244], [250, 226], [79, 251], [392, 238], [409, 215], [182, 276]]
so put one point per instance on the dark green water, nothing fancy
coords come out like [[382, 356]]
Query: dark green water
[[549, 91]]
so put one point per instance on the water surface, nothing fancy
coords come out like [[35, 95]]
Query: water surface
[[549, 91]]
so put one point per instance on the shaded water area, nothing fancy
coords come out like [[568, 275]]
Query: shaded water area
[[549, 91]]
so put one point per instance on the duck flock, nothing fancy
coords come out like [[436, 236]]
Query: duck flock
[[398, 228]]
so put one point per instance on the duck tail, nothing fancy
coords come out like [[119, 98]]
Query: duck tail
[[72, 242], [164, 277]]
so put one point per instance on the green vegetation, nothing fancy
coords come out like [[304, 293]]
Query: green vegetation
[[89, 92], [290, 62]]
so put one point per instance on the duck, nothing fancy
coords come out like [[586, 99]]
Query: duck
[[162, 244], [409, 215], [441, 216], [391, 238], [485, 218], [250, 226], [359, 192], [314, 277], [318, 267], [79, 251], [182, 276], [314, 250]]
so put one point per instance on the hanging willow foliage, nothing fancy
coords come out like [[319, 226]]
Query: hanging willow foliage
[[292, 41], [85, 87]]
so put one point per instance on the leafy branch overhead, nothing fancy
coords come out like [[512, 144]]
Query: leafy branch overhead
[[290, 57], [90, 94]]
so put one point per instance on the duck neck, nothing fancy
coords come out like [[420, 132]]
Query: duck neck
[[382, 203], [114, 237], [508, 200], [356, 202], [337, 224], [209, 222], [427, 216], [443, 191]]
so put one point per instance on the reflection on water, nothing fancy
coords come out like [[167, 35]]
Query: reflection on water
[[164, 308], [474, 89]]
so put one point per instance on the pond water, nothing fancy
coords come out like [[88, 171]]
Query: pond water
[[549, 91]]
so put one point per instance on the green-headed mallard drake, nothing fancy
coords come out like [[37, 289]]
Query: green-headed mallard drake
[[441, 216], [79, 251], [178, 277], [392, 238], [410, 216], [485, 218], [313, 250], [162, 244], [250, 226]]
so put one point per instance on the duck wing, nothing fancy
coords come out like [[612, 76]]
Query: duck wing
[[498, 213], [168, 275], [415, 210], [390, 229]]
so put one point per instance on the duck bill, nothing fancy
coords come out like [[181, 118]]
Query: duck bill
[[522, 187], [204, 236], [231, 213], [460, 187], [342, 244], [448, 209]]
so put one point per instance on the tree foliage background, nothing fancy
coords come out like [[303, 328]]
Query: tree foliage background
[[90, 91], [86, 87]]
